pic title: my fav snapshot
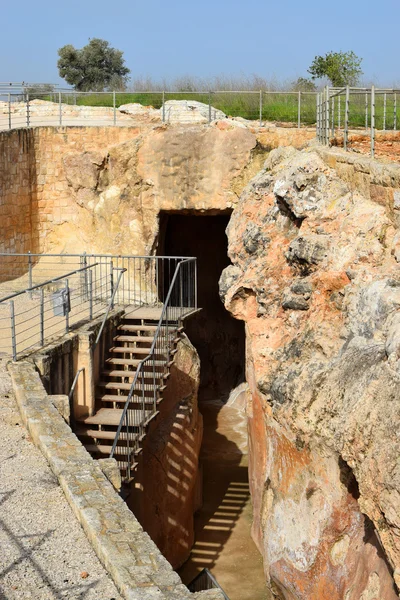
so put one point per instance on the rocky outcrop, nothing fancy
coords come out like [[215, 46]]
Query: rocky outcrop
[[315, 278], [189, 111]]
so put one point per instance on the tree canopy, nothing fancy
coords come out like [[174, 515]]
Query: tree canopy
[[341, 68], [95, 67]]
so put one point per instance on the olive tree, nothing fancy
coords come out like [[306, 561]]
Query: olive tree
[[341, 68], [95, 67]]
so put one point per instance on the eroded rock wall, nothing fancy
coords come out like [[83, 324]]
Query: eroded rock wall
[[167, 489], [316, 280]]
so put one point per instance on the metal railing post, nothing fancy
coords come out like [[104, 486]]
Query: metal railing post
[[30, 280], [395, 112], [372, 121], [66, 307], [114, 109], [338, 112], [27, 111], [163, 107], [333, 117], [60, 108], [384, 111], [112, 282], [41, 316], [209, 107], [13, 332], [90, 294], [299, 111], [9, 111], [327, 121], [346, 119], [366, 112], [261, 107]]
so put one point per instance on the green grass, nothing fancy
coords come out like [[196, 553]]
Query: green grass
[[278, 107]]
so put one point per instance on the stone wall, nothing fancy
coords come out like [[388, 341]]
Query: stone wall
[[134, 562], [16, 185], [102, 188]]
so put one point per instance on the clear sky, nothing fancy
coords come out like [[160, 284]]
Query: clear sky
[[171, 38]]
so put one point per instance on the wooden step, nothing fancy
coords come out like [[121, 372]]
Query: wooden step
[[103, 449], [130, 350], [116, 385], [104, 416], [148, 376], [102, 435], [134, 403], [128, 327], [133, 338], [134, 362]]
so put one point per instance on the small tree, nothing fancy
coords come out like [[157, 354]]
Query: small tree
[[95, 67], [341, 68]]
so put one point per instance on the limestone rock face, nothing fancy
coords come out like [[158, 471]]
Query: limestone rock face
[[321, 301], [190, 111], [165, 168]]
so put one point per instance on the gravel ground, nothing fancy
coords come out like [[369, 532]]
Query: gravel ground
[[44, 553]]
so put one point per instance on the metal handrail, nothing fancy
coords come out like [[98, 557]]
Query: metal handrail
[[110, 305], [205, 580], [48, 282], [151, 356]]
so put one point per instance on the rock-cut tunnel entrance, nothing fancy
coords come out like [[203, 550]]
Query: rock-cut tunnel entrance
[[218, 337], [223, 542]]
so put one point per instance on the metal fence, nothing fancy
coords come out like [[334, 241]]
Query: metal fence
[[348, 111], [65, 108], [141, 403], [44, 295]]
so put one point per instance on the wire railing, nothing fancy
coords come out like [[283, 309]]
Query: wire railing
[[346, 112], [66, 108], [44, 295], [141, 403]]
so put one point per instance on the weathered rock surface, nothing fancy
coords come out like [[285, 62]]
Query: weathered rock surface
[[321, 303], [190, 111]]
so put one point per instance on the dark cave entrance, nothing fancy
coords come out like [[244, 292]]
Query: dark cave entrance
[[217, 336]]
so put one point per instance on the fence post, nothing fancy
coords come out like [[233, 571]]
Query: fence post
[[114, 109], [327, 115], [346, 118], [372, 121], [9, 111], [209, 107], [90, 294], [261, 104], [338, 112], [366, 112], [27, 110], [299, 111], [395, 112], [163, 106], [60, 109], [41, 316], [67, 306], [13, 333], [112, 281], [384, 111], [333, 117], [30, 281], [317, 119]]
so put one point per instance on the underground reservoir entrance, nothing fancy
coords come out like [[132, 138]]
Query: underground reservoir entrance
[[223, 542]]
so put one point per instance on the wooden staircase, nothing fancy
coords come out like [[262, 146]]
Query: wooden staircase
[[131, 345]]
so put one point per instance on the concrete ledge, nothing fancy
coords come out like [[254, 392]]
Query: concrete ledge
[[134, 562]]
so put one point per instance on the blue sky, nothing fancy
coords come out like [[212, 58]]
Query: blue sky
[[174, 38]]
